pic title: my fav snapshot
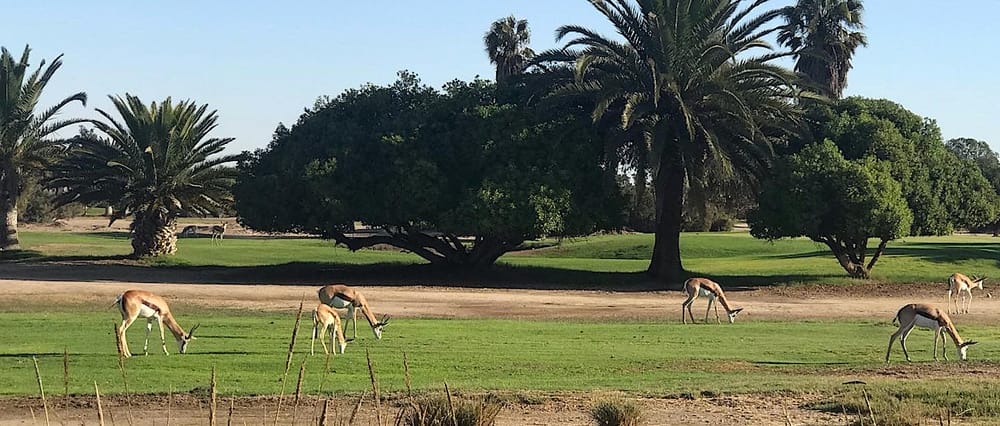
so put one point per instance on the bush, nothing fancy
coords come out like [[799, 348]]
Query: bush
[[433, 411], [616, 412]]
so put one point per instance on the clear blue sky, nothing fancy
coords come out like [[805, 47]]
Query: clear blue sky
[[261, 62]]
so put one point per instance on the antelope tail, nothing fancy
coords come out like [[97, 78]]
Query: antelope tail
[[118, 301]]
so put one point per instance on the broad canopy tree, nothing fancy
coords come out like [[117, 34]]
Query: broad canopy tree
[[452, 175], [942, 192], [819, 194]]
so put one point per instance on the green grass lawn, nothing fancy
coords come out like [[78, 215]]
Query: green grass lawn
[[735, 258], [249, 350]]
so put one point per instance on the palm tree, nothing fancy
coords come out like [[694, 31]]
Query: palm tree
[[824, 35], [23, 147], [698, 76], [154, 164], [507, 46]]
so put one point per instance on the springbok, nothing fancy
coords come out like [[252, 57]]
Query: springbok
[[140, 303], [341, 296], [695, 287], [927, 316]]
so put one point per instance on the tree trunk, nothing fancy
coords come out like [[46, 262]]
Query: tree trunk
[[853, 268], [153, 235], [669, 191], [9, 192], [8, 240]]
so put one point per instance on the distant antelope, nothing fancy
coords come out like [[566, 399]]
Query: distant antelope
[[695, 287], [139, 303], [218, 231], [341, 296], [961, 287], [927, 316], [325, 317]]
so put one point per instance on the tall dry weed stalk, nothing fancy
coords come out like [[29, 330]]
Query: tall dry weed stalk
[[298, 391], [213, 406], [288, 359], [65, 371], [41, 391], [371, 374], [100, 410]]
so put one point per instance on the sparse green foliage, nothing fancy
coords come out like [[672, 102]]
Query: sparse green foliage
[[155, 164], [819, 194], [824, 35], [507, 46], [24, 150]]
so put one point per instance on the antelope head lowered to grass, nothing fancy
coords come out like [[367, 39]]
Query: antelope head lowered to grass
[[695, 287], [927, 316], [140, 303], [341, 296]]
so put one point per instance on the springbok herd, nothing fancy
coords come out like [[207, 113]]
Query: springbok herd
[[140, 303]]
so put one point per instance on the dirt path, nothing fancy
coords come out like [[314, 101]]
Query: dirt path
[[817, 302]]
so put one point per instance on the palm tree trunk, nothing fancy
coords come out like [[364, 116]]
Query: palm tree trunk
[[153, 235], [9, 191], [668, 185]]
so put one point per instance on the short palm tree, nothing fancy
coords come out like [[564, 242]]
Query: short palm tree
[[155, 164], [700, 78], [23, 132], [507, 46], [824, 35]]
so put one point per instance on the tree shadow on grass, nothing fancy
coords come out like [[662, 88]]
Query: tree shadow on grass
[[938, 252]]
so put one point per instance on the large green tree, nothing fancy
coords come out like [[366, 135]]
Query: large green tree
[[453, 176], [819, 194], [155, 163], [824, 34], [24, 149], [700, 79], [507, 46], [979, 153], [941, 191]]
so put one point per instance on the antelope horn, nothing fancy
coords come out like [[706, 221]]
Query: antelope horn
[[191, 333], [385, 319]]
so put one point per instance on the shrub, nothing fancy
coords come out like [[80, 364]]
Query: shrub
[[433, 411], [616, 412]]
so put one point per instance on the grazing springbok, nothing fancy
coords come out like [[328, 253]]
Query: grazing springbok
[[961, 287], [341, 296], [927, 316], [695, 287], [325, 317], [140, 303]]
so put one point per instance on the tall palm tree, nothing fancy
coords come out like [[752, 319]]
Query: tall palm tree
[[698, 76], [824, 35], [154, 164], [507, 46], [23, 147]]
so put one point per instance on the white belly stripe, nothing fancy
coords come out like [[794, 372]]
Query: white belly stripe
[[339, 303], [703, 292], [147, 312]]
